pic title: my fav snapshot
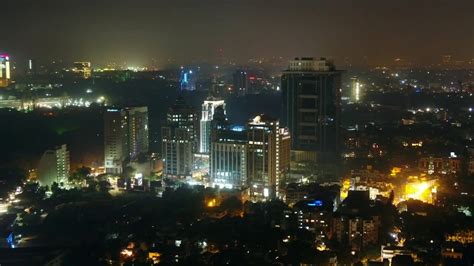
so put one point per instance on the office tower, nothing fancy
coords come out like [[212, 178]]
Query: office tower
[[208, 108], [256, 156], [228, 158], [179, 140], [241, 82], [54, 166], [177, 152], [182, 115], [125, 136], [311, 93], [187, 80], [263, 156], [5, 77], [83, 68], [355, 90], [115, 135], [137, 122]]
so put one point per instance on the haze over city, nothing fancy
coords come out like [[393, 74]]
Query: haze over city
[[185, 31]]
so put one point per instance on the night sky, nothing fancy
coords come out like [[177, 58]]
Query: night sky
[[191, 30]]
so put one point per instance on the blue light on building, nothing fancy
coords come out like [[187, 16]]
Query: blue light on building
[[315, 203], [11, 240], [187, 80], [237, 128]]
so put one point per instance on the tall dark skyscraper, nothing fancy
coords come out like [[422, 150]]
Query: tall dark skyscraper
[[241, 82], [137, 121], [311, 98], [179, 140]]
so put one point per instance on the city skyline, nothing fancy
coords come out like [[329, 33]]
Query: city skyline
[[226, 132]]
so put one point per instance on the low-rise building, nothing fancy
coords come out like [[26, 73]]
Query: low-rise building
[[440, 165]]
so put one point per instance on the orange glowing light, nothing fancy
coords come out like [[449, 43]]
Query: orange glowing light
[[421, 190], [346, 184], [211, 203], [127, 253], [395, 171]]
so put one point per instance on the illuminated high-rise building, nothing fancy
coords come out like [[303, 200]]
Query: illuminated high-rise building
[[228, 158], [115, 127], [256, 156], [54, 166], [208, 108], [32, 67], [5, 75], [356, 90], [311, 93], [137, 122], [179, 140], [125, 136], [263, 157]]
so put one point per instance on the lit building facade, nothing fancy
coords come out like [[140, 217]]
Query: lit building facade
[[357, 233], [314, 216], [179, 140], [5, 75], [356, 90], [115, 142], [311, 95], [137, 122], [208, 108], [263, 159], [284, 154], [228, 158], [54, 166], [32, 67], [125, 136], [177, 151], [256, 156]]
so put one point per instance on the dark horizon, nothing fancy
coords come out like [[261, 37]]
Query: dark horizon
[[181, 32]]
